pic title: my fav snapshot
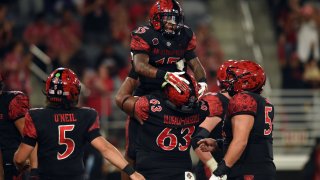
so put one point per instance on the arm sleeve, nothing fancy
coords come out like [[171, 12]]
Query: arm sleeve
[[141, 108], [242, 104], [18, 107], [29, 131], [215, 105], [94, 129]]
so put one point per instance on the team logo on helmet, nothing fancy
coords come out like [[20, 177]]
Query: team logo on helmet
[[63, 84]]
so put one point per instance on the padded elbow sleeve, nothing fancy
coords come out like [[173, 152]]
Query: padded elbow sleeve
[[200, 134]]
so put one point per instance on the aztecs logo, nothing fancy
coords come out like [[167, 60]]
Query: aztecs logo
[[155, 41], [155, 105], [141, 30]]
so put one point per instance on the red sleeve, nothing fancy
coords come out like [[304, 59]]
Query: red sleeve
[[95, 125], [215, 105], [18, 107], [141, 108], [242, 104], [29, 129], [192, 43], [139, 44]]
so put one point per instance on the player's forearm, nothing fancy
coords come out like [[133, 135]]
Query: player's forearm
[[203, 156], [125, 91], [128, 105], [197, 68], [234, 151], [142, 66], [112, 154]]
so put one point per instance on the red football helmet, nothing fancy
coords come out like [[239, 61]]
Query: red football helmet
[[245, 75], [63, 84], [164, 11], [222, 74], [185, 97]]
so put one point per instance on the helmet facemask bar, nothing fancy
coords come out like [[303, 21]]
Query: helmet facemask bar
[[174, 20], [232, 78]]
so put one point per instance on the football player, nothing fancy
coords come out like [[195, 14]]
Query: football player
[[161, 51], [248, 150], [13, 107], [212, 127], [61, 130], [161, 136]]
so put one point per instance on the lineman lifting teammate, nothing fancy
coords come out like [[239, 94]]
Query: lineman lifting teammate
[[168, 119], [161, 51]]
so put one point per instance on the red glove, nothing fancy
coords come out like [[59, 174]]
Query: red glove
[[179, 83]]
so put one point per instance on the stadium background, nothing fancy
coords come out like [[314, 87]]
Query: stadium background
[[92, 38]]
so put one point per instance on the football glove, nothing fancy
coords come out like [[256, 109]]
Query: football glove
[[222, 169], [34, 174], [203, 88], [179, 83]]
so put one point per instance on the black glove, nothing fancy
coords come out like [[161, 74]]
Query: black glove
[[34, 174], [222, 169]]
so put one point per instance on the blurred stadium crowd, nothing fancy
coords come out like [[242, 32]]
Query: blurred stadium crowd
[[91, 37], [297, 24]]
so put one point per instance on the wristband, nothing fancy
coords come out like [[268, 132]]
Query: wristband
[[128, 170], [160, 74], [34, 174], [211, 164], [133, 74]]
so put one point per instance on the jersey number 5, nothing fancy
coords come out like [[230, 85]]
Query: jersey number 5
[[268, 121], [69, 143], [173, 140]]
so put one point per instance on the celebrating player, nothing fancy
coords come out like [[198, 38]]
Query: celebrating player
[[212, 127], [61, 131], [168, 120], [161, 52], [247, 127]]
